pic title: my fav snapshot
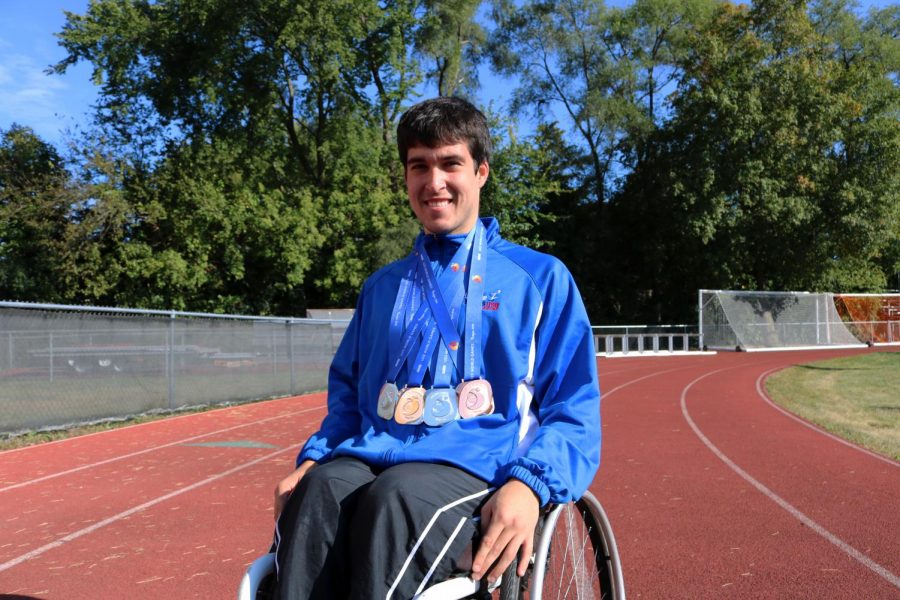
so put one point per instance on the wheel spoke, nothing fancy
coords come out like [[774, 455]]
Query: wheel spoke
[[572, 560]]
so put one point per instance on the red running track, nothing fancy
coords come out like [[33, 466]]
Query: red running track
[[713, 492]]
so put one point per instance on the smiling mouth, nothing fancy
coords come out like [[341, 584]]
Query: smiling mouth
[[437, 202]]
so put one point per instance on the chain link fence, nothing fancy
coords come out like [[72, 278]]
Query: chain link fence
[[62, 365]]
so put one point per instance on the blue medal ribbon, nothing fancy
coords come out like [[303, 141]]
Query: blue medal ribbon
[[447, 353], [477, 271], [417, 324], [399, 312], [437, 295], [443, 314], [423, 315]]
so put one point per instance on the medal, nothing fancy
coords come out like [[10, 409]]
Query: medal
[[440, 406], [387, 400], [475, 398], [410, 406]]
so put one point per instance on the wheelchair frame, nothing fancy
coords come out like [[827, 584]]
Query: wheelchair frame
[[590, 565]]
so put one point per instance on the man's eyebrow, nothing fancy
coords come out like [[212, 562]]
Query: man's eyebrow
[[440, 158]]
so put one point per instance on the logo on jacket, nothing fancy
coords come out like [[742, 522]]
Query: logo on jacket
[[490, 301]]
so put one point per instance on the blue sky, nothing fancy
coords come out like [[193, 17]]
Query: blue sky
[[46, 103], [51, 104]]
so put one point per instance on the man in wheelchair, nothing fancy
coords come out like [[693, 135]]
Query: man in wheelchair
[[462, 399]]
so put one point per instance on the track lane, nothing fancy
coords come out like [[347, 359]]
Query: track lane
[[195, 545], [23, 466], [96, 502], [829, 487], [689, 527], [53, 532]]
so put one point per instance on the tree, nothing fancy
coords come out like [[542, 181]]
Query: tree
[[599, 71], [452, 43], [777, 171], [315, 86], [34, 208]]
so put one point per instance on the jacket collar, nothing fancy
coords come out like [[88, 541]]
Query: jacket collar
[[492, 235]]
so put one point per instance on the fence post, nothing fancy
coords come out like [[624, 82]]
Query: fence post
[[51, 356], [290, 336], [699, 318], [274, 360], [170, 359]]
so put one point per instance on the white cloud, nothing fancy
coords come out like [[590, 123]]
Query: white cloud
[[46, 103]]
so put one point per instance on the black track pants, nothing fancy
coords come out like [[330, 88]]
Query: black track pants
[[349, 531]]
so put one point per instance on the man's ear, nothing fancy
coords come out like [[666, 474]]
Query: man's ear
[[483, 171]]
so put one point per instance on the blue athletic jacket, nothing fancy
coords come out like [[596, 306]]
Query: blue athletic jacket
[[538, 356]]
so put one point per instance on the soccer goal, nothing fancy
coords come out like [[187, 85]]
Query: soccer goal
[[757, 321]]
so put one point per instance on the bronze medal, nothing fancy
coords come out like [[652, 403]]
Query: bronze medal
[[387, 400], [475, 398], [410, 406], [440, 406]]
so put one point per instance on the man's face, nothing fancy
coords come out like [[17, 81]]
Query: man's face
[[444, 187]]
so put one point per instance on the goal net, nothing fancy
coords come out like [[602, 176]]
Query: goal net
[[754, 321], [872, 317]]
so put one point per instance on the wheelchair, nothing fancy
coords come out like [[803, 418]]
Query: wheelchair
[[575, 557]]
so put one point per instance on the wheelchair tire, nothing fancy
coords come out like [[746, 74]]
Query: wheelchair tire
[[514, 587], [511, 587]]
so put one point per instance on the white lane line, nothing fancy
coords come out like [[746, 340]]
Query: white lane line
[[765, 396], [154, 448], [100, 524], [627, 383], [793, 511], [190, 439], [190, 415]]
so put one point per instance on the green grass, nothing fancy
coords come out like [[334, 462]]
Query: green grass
[[856, 398]]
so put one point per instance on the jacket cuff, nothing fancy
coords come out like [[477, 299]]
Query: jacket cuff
[[531, 480], [310, 454]]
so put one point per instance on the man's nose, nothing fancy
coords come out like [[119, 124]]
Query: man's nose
[[436, 180]]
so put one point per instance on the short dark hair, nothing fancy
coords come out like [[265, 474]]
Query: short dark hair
[[441, 121]]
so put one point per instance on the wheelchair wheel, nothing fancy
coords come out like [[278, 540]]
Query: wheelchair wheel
[[511, 588], [576, 556]]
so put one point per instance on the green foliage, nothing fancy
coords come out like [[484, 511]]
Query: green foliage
[[778, 170], [521, 184], [33, 215], [452, 43], [258, 138], [598, 70], [243, 155]]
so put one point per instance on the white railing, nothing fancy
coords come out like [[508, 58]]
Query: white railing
[[621, 340]]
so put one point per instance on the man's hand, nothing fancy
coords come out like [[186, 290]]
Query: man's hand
[[508, 520], [286, 486]]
